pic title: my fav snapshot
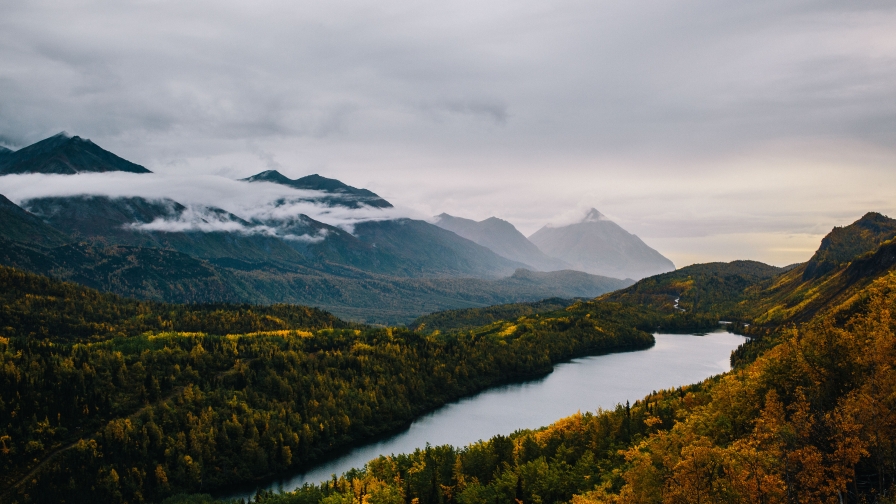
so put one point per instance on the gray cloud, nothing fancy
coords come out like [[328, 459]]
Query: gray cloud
[[200, 219], [677, 119]]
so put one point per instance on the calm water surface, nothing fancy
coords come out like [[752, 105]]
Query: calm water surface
[[583, 384]]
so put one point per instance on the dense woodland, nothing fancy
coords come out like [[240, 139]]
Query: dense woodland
[[117, 400], [111, 400]]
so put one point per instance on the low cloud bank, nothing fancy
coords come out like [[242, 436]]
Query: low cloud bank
[[205, 220], [258, 207]]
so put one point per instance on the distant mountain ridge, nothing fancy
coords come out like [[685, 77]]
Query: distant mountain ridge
[[404, 247], [380, 269], [65, 155], [315, 182], [197, 267], [503, 239], [601, 247]]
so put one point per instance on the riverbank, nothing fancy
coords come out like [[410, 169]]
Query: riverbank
[[580, 384]]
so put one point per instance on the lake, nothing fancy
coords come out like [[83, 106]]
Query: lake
[[583, 384]]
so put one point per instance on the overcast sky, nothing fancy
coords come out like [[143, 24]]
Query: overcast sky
[[713, 130]]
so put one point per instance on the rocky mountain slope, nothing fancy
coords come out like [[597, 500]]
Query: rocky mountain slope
[[64, 154]]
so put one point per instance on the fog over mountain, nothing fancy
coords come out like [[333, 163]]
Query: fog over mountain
[[63, 166], [600, 246], [338, 193]]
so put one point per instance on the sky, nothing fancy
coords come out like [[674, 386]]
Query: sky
[[713, 130]]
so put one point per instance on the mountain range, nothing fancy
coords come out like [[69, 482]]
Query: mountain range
[[106, 399], [384, 269], [339, 193], [595, 245]]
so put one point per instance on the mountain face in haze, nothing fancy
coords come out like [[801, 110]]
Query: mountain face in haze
[[403, 247], [391, 272], [130, 222], [65, 155], [600, 246], [502, 238], [341, 194]]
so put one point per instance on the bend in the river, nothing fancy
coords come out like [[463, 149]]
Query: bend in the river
[[583, 384]]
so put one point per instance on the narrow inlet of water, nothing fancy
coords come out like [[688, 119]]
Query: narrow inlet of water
[[583, 384]]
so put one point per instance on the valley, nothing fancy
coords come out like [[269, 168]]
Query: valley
[[154, 350], [408, 252]]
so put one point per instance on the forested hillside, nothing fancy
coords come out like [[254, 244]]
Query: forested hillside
[[812, 420], [808, 414], [104, 399]]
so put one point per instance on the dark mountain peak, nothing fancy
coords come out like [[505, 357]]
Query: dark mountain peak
[[874, 220], [327, 184], [317, 183], [844, 244], [67, 155], [594, 216], [270, 176], [4, 151], [46, 145]]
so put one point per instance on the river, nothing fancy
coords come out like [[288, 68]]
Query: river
[[583, 384]]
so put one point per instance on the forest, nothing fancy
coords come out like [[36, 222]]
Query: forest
[[107, 399]]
